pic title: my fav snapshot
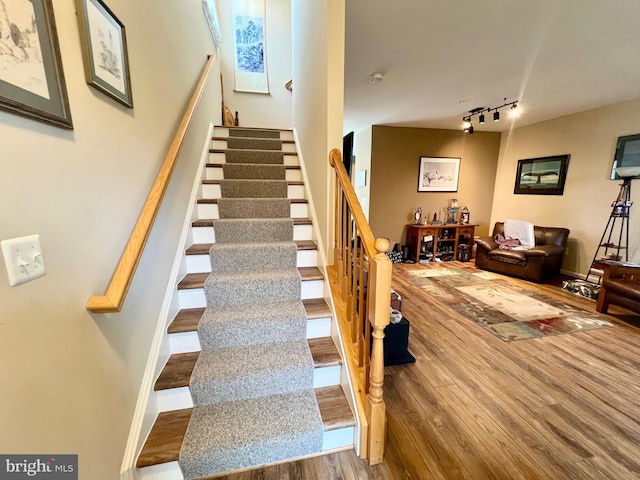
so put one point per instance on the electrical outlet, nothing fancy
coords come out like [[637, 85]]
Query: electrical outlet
[[23, 258]]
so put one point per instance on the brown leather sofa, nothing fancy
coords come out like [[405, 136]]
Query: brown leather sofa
[[542, 261], [620, 286]]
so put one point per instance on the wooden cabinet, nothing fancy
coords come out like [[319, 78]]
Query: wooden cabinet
[[429, 242]]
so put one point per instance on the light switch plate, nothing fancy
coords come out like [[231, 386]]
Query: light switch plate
[[23, 258]]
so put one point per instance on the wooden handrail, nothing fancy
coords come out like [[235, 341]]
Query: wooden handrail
[[113, 299], [361, 285]]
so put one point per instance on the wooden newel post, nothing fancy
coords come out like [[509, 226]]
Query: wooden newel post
[[380, 301]]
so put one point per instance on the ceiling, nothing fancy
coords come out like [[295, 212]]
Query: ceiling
[[442, 58]]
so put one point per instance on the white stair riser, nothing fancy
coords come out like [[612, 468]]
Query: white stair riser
[[210, 210], [207, 235], [216, 158], [319, 327], [184, 342], [326, 376], [188, 341], [299, 210], [220, 158], [216, 173], [179, 398], [213, 191], [194, 297], [342, 437], [202, 263], [222, 144]]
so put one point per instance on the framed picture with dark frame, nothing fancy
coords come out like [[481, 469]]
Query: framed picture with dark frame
[[627, 156], [438, 174], [31, 77], [542, 176], [104, 47]]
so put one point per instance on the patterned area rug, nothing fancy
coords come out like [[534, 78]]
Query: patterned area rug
[[505, 309]]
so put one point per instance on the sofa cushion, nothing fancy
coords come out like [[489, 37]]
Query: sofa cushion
[[508, 256]]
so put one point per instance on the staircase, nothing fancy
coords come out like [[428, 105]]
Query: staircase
[[254, 376]]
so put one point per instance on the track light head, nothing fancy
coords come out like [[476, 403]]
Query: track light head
[[471, 130], [514, 111]]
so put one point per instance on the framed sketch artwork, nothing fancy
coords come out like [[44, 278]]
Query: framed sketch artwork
[[104, 47], [31, 77], [438, 174]]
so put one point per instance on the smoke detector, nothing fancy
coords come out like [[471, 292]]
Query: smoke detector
[[375, 77]]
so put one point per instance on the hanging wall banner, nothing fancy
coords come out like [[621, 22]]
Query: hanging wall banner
[[250, 46]]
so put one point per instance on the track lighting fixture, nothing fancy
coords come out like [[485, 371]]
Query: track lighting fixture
[[467, 125]]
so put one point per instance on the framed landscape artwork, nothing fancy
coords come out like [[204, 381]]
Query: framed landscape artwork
[[542, 176], [249, 36], [31, 77], [438, 174], [104, 47]]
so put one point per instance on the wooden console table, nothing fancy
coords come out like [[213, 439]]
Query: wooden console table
[[445, 239]]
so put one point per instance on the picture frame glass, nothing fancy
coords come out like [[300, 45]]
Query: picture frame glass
[[104, 48], [31, 77], [542, 176], [438, 174], [627, 156]]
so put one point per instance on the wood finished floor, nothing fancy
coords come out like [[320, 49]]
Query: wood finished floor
[[475, 407]]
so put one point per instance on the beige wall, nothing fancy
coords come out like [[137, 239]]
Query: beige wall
[[395, 157], [271, 110], [590, 138], [362, 151], [70, 379], [318, 62]]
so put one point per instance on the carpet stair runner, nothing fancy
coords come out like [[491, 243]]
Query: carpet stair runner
[[242, 387]]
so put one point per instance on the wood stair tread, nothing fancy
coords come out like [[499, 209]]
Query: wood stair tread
[[223, 150], [217, 182], [165, 439], [334, 408], [177, 371], [215, 200], [317, 308], [196, 280], [219, 165], [310, 273], [187, 319], [324, 352], [208, 222], [203, 248], [166, 436]]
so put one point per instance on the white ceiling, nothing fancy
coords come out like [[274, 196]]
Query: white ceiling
[[442, 58]]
